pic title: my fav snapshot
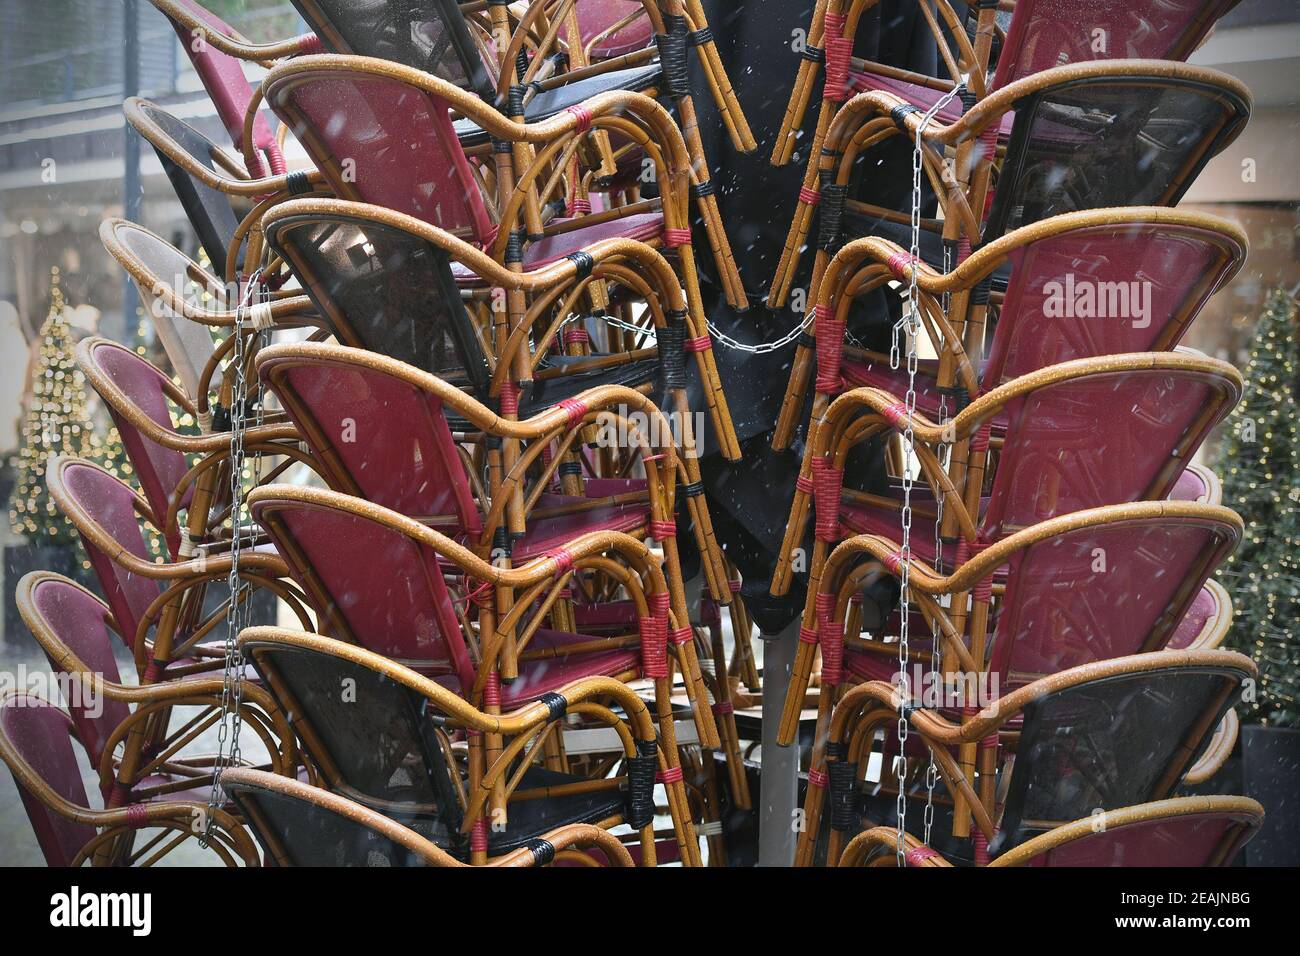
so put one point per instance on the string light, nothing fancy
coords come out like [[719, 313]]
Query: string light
[[1260, 465]]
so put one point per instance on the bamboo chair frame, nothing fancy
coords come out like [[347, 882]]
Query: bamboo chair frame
[[971, 59], [177, 578], [863, 413], [499, 642], [488, 772], [870, 262], [209, 476], [152, 702], [829, 597], [917, 854], [868, 119], [116, 826], [634, 264], [263, 192], [634, 115], [870, 704], [563, 844], [617, 111]]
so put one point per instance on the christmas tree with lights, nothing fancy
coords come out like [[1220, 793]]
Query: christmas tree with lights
[[1260, 468], [57, 422]]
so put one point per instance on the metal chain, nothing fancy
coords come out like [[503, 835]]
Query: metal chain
[[936, 651], [719, 336], [765, 347], [910, 324], [231, 721]]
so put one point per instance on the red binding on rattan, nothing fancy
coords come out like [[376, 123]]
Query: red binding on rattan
[[918, 855], [839, 53], [654, 647], [830, 349], [576, 337], [723, 707], [803, 485], [509, 398], [963, 249], [492, 689], [137, 816], [580, 207], [563, 559], [826, 499], [582, 115], [660, 530], [683, 635], [671, 775], [478, 836], [309, 45], [701, 343], [830, 634], [807, 635], [809, 197], [898, 263], [575, 409], [893, 562], [818, 779], [896, 414], [676, 237]]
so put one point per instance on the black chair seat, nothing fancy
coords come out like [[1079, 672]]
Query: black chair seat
[[527, 819], [550, 102]]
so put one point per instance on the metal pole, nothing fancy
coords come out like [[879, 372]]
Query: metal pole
[[779, 782], [131, 189]]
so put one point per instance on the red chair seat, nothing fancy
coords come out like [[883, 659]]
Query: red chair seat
[[642, 227], [880, 375], [546, 534]]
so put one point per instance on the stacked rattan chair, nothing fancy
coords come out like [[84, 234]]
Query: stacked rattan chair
[[482, 524], [1042, 534], [440, 382]]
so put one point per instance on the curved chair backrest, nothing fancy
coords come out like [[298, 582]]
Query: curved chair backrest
[[1106, 290], [385, 290], [1183, 832], [378, 435], [1047, 33], [1105, 438], [1115, 741], [132, 387], [367, 578], [597, 16], [155, 266], [432, 36], [301, 825], [39, 735], [223, 77], [214, 215], [105, 509], [367, 729], [1137, 137], [1205, 624], [1107, 590], [64, 615], [378, 140]]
